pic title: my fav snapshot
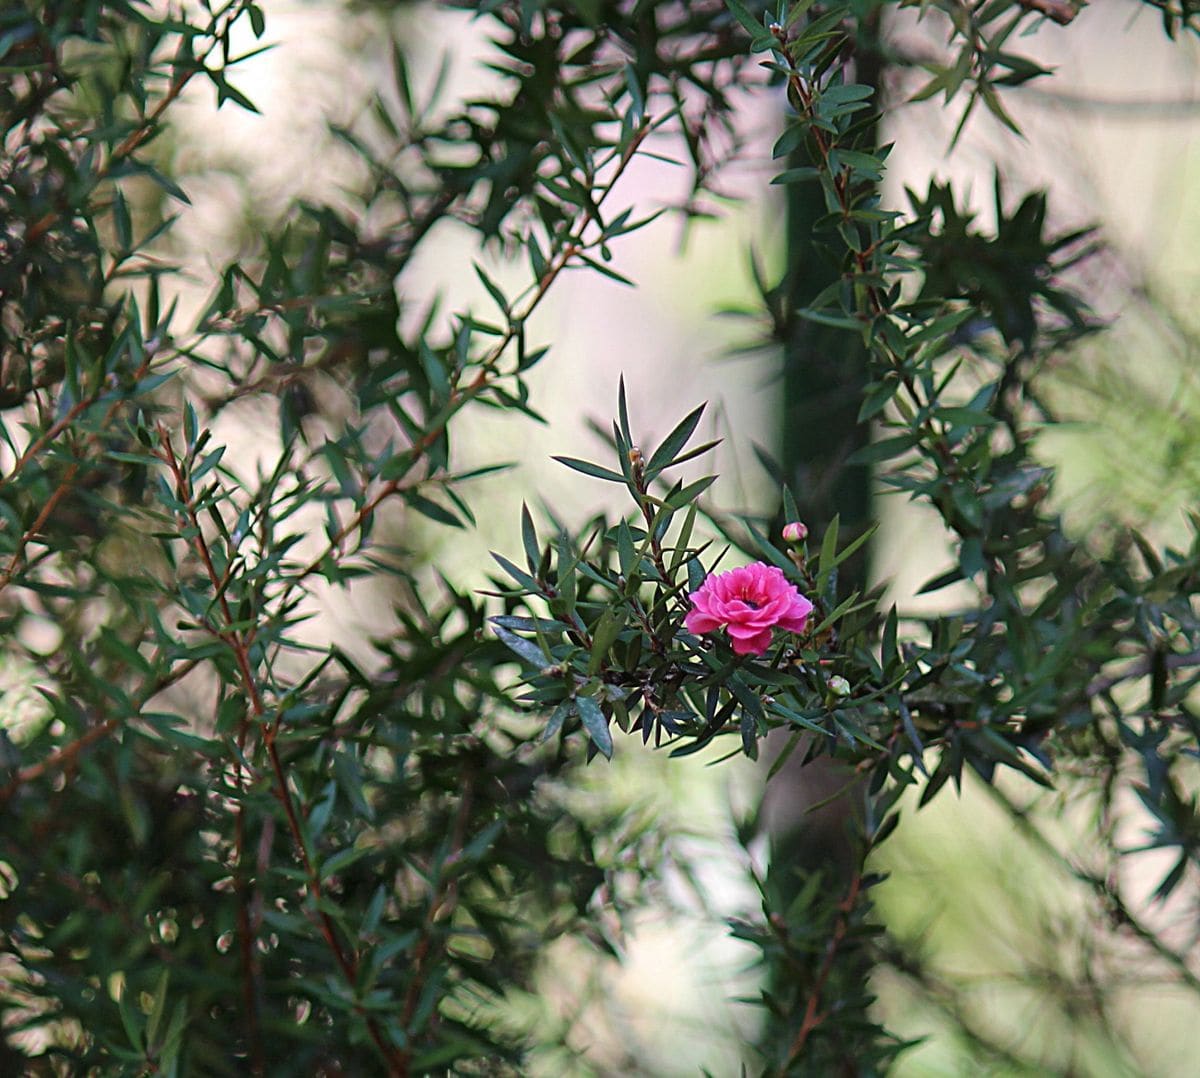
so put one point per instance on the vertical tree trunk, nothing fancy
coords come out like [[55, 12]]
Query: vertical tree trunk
[[824, 381]]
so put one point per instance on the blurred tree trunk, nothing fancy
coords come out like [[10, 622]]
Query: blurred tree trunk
[[824, 381]]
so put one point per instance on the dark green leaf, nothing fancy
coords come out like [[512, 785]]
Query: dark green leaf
[[595, 724]]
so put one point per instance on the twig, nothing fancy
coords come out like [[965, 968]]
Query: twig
[[1060, 11], [238, 642], [251, 972], [68, 753], [460, 396], [60, 492], [441, 904], [65, 484], [1107, 891], [48, 435], [145, 129], [1139, 669], [813, 1015]]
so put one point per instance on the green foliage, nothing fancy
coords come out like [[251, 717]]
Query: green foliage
[[230, 848]]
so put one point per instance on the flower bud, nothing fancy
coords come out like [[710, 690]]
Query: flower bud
[[839, 686], [795, 532]]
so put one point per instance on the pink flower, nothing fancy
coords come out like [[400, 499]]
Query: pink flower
[[750, 601]]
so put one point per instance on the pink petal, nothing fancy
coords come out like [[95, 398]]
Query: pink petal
[[756, 645], [697, 621]]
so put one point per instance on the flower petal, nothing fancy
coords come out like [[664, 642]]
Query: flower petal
[[756, 645]]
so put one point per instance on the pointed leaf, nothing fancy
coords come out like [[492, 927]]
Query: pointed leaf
[[595, 724]]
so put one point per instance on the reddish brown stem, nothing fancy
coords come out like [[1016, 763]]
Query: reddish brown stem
[[58, 759], [1060, 11], [487, 366], [64, 486], [441, 904], [48, 435], [68, 753], [149, 122], [813, 1015], [237, 641]]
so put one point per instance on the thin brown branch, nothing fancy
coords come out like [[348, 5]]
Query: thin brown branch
[[66, 483], [237, 641], [441, 905], [59, 759], [247, 893], [1141, 669], [347, 962], [48, 435], [460, 396], [251, 971], [63, 757], [218, 32], [875, 305], [51, 503], [1060, 11], [813, 1015]]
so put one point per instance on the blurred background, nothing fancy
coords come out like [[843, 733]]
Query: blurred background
[[1003, 962]]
